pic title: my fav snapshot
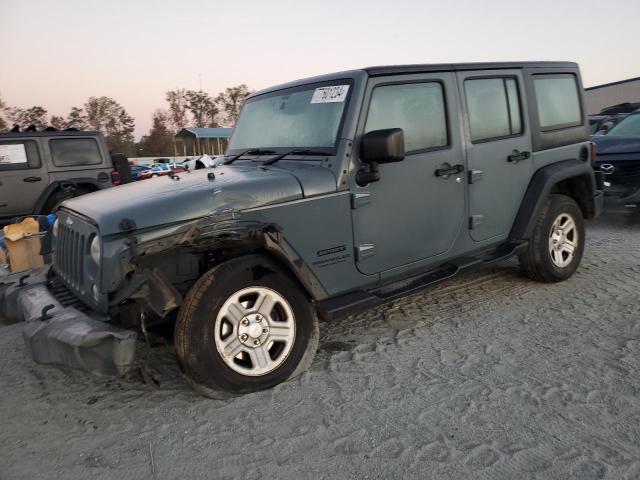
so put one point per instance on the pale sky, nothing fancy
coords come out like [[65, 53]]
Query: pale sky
[[58, 53]]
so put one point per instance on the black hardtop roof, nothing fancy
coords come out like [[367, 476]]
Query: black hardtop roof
[[417, 68], [443, 67], [51, 133]]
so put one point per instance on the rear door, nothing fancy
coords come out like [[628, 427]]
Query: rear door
[[23, 177], [499, 149], [413, 213]]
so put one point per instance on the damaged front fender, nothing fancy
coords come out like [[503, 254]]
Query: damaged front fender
[[152, 289]]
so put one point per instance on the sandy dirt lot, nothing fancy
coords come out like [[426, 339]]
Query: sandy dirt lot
[[488, 376]]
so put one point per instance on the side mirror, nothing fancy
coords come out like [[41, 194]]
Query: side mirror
[[382, 146], [379, 146]]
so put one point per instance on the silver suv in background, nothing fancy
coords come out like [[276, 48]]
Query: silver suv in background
[[39, 170]]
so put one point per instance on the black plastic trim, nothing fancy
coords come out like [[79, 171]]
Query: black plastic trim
[[540, 187], [457, 67], [348, 304], [53, 186]]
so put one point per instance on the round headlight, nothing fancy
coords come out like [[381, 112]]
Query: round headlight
[[54, 230], [94, 250]]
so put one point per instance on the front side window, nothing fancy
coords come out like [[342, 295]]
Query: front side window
[[18, 155], [558, 101], [494, 108], [417, 108], [295, 118], [70, 152]]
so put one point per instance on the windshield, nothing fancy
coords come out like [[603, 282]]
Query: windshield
[[629, 127], [302, 117]]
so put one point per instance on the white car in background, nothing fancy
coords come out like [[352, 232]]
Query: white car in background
[[205, 161]]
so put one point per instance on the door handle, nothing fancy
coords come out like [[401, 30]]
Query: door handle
[[449, 170], [31, 179], [517, 156]]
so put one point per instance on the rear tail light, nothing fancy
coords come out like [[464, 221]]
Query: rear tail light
[[594, 153], [115, 177]]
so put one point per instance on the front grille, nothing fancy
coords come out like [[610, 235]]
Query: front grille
[[624, 173], [69, 256], [65, 296]]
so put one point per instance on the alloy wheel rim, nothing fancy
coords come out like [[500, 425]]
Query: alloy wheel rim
[[255, 331], [563, 240]]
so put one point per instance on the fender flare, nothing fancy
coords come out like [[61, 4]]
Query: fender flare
[[57, 185], [541, 186]]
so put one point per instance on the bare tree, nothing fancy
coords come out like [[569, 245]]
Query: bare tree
[[3, 123], [25, 117], [57, 122], [159, 142], [231, 101], [177, 108], [106, 115], [76, 119], [203, 108]]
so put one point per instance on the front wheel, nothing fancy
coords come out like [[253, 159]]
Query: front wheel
[[556, 246], [245, 326]]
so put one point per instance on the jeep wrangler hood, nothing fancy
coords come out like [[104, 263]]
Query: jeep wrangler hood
[[162, 200]]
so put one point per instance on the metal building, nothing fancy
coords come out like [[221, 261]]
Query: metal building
[[601, 96], [198, 141]]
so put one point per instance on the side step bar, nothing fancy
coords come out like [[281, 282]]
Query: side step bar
[[358, 301]]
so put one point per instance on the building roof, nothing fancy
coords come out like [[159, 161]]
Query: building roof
[[628, 80], [205, 132]]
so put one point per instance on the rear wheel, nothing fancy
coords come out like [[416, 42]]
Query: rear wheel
[[556, 246], [245, 326]]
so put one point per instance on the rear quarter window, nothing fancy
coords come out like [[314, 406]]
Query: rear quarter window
[[558, 101], [18, 155], [72, 152]]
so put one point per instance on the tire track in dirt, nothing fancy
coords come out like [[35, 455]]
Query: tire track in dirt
[[487, 376]]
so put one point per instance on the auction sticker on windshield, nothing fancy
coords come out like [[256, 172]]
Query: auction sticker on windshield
[[332, 94]]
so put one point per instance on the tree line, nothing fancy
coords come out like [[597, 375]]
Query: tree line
[[185, 108]]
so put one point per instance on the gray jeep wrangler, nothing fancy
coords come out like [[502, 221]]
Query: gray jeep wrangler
[[339, 193], [39, 170]]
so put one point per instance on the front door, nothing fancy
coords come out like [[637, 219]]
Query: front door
[[415, 211], [499, 149], [23, 177]]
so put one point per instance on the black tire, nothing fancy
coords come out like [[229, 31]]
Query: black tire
[[195, 343], [537, 262], [53, 202]]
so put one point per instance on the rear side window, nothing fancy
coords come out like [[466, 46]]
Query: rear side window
[[417, 108], [558, 101], [494, 108], [70, 152], [18, 155]]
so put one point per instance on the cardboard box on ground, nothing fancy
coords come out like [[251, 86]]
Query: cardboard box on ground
[[22, 244]]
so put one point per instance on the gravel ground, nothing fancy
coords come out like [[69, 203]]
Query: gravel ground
[[488, 376]]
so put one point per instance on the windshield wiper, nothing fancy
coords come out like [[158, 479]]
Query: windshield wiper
[[251, 151], [306, 151]]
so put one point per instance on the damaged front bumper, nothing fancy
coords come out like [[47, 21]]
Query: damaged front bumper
[[59, 335]]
